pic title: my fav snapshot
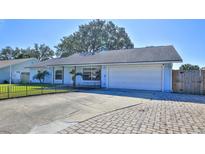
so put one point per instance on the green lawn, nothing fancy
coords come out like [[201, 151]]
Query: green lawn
[[19, 90]]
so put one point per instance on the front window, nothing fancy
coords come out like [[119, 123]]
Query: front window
[[59, 75], [91, 73]]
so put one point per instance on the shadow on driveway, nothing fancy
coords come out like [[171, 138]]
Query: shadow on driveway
[[151, 95]]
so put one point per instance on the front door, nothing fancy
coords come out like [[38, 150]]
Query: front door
[[25, 76]]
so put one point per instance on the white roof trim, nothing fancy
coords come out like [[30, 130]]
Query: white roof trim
[[166, 62]]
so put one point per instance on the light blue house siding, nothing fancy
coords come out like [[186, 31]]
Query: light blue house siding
[[129, 76], [67, 76], [16, 71], [167, 77], [4, 74]]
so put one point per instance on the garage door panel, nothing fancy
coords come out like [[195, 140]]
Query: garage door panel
[[135, 77]]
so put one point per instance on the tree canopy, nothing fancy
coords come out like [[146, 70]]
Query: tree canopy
[[186, 67], [95, 36], [7, 53], [41, 52]]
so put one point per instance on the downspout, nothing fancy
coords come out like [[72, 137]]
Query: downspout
[[63, 76], [91, 72], [10, 75], [162, 77], [74, 77], [171, 90], [53, 74]]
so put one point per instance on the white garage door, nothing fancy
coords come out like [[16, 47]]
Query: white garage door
[[135, 77]]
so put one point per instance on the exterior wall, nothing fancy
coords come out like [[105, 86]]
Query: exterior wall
[[16, 71], [167, 78], [4, 74], [104, 76], [67, 76], [55, 69], [34, 71], [49, 79], [81, 82]]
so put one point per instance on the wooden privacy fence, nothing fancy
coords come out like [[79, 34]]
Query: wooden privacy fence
[[191, 82]]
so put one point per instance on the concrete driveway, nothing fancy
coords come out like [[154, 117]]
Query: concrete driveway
[[52, 113]]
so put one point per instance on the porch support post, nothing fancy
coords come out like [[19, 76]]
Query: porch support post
[[74, 76], [101, 76], [163, 78], [53, 74], [63, 76], [91, 72]]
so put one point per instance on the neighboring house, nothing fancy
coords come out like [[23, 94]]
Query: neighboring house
[[203, 68], [148, 68], [18, 71]]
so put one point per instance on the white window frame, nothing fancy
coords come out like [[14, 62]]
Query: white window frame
[[90, 71], [61, 74]]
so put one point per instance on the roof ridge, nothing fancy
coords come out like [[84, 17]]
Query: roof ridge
[[16, 59], [151, 46]]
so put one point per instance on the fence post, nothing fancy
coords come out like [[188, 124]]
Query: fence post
[[202, 82], [8, 91], [26, 90], [41, 89]]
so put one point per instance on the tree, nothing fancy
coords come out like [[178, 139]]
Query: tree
[[10, 53], [186, 67], [41, 76], [25, 53], [41, 52], [17, 53], [95, 36], [7, 53]]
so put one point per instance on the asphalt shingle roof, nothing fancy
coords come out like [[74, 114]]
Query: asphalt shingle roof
[[136, 55], [6, 63]]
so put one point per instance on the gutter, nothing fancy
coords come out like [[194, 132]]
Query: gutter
[[112, 63]]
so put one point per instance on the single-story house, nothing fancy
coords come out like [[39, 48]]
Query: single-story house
[[16, 69], [148, 68]]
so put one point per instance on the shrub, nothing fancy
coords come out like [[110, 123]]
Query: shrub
[[6, 82]]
